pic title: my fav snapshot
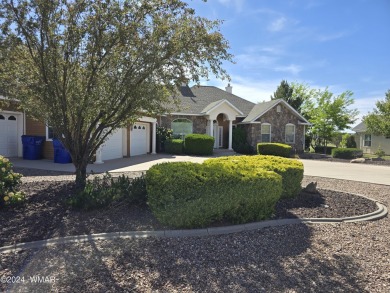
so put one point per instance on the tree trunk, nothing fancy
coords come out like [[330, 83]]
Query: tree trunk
[[81, 174]]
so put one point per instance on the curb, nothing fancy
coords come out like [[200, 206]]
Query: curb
[[380, 213]]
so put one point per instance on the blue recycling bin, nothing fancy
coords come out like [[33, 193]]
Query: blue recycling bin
[[61, 155], [32, 147]]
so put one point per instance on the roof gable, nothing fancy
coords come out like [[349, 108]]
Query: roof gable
[[196, 99], [262, 108], [210, 107]]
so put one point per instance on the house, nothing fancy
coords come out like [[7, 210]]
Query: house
[[203, 109], [368, 142], [210, 110], [137, 139]]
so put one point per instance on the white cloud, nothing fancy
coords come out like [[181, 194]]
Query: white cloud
[[331, 37], [292, 69], [278, 24]]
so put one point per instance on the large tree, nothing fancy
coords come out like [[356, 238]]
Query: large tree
[[378, 122], [88, 67], [286, 92], [329, 114]]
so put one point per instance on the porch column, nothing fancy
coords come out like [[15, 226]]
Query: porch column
[[98, 159], [154, 138], [211, 122], [230, 135]]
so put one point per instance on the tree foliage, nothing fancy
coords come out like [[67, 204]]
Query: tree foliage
[[89, 67], [329, 114], [294, 98], [378, 122]]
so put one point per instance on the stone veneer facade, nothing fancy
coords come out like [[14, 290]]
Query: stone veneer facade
[[278, 121]]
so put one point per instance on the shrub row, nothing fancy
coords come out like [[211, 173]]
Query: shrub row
[[100, 192], [291, 170], [193, 144], [347, 153], [274, 149], [188, 195], [321, 149]]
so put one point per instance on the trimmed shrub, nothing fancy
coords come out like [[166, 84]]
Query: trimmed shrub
[[291, 170], [239, 143], [102, 191], [346, 153], [9, 184], [321, 150], [188, 195], [174, 146], [274, 149], [199, 144]]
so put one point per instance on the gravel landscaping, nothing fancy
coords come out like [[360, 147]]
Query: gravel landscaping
[[352, 257]]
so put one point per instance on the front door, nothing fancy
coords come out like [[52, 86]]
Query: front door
[[218, 136]]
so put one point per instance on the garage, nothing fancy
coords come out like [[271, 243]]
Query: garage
[[9, 134], [112, 148], [139, 139]]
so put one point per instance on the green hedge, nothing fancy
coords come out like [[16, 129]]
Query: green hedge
[[191, 195], [291, 170], [321, 149], [174, 146], [199, 144], [347, 153], [274, 149]]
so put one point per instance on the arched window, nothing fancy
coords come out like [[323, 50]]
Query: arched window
[[265, 132], [2, 117], [181, 126], [290, 133], [13, 118]]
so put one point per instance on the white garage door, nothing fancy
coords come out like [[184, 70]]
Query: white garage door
[[112, 148], [8, 135], [139, 135]]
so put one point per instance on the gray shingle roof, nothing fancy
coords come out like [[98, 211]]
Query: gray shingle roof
[[260, 109], [197, 98], [361, 127]]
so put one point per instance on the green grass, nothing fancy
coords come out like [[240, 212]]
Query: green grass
[[370, 156]]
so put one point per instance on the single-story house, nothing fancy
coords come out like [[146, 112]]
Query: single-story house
[[203, 109], [137, 139], [213, 111], [368, 142]]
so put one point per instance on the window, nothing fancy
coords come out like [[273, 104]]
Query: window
[[290, 133], [13, 118], [265, 132], [2, 117], [49, 133], [181, 127], [367, 140]]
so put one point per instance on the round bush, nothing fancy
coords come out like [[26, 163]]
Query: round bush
[[274, 149], [189, 195], [174, 146], [291, 170], [199, 144], [9, 184]]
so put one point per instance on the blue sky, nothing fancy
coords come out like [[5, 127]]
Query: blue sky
[[342, 44]]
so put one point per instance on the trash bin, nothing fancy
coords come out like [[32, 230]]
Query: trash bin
[[32, 147], [61, 155]]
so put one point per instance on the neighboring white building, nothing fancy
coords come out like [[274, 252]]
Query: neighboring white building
[[370, 143]]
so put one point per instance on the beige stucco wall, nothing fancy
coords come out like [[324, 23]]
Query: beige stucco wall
[[376, 143]]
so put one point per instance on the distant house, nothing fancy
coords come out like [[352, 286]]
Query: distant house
[[202, 109], [368, 142], [210, 110]]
